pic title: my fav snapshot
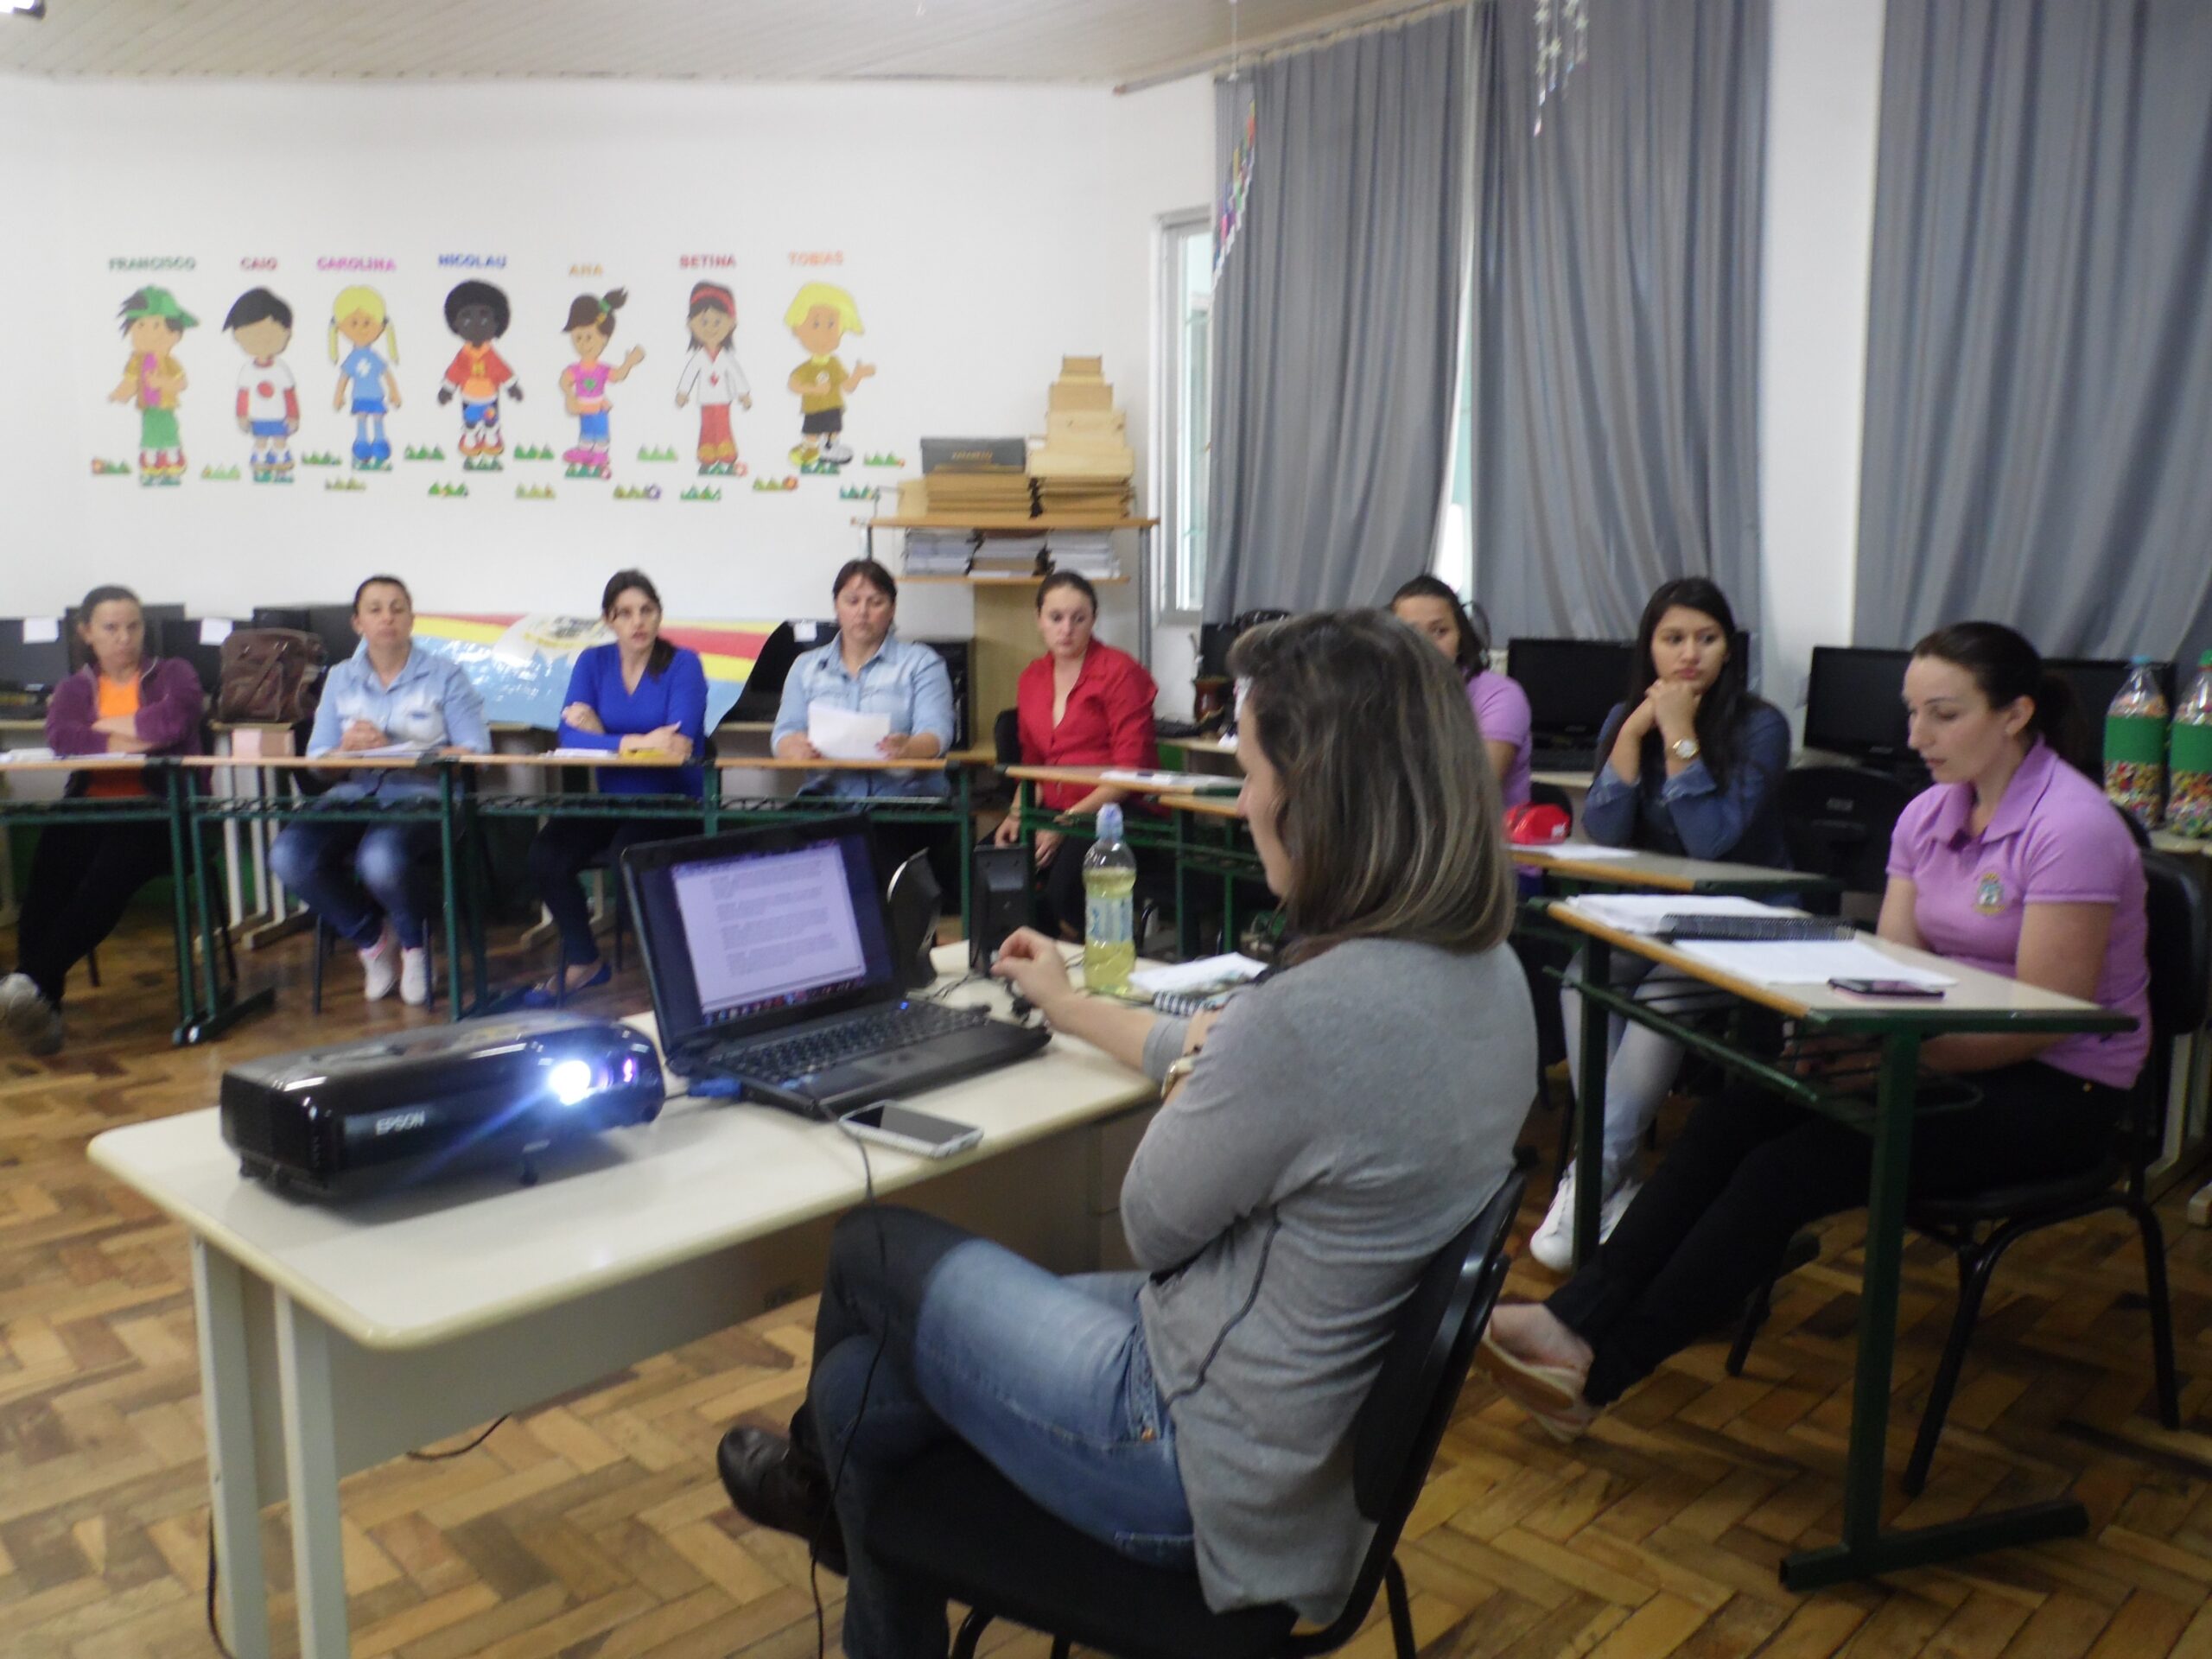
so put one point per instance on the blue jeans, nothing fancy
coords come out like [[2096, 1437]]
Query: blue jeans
[[1046, 1377], [355, 875]]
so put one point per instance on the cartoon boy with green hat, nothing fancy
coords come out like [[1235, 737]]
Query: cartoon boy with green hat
[[153, 322]]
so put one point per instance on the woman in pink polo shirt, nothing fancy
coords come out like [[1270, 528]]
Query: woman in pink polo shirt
[[2012, 863]]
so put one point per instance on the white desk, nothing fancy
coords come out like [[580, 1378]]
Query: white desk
[[335, 1337]]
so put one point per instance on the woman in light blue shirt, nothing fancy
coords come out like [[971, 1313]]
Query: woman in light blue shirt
[[361, 878], [868, 670]]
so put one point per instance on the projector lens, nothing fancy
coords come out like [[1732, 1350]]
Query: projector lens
[[570, 1081]]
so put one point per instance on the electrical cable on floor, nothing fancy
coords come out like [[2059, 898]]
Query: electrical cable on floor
[[868, 1382]]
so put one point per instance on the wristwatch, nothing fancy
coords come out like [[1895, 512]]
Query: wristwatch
[[1683, 748], [1178, 1068]]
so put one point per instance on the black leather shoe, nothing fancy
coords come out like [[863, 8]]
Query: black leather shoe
[[776, 1484]]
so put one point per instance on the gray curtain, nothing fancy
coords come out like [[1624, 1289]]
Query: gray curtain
[[1336, 322], [1615, 345], [2038, 437]]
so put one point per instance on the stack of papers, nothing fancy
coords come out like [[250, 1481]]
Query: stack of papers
[[1085, 465], [11, 756], [1646, 912], [1588, 851], [1175, 783], [978, 475], [1010, 556], [1087, 552], [938, 552]]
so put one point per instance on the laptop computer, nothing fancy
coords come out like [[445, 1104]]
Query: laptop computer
[[769, 953]]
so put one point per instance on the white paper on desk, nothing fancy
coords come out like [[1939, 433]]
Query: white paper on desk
[[1647, 913], [1190, 976], [10, 757], [213, 630], [1184, 783], [42, 630], [842, 734], [1588, 851], [1807, 962], [383, 752]]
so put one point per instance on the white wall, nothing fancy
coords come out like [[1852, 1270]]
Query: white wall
[[1823, 97], [984, 231]]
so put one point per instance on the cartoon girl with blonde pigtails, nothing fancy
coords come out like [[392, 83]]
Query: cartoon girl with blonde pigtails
[[357, 314]]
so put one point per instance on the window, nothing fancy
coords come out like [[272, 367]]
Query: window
[[1186, 392]]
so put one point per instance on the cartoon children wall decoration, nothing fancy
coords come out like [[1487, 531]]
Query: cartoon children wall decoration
[[366, 386], [269, 398], [711, 377], [584, 383], [154, 322], [478, 312], [820, 318]]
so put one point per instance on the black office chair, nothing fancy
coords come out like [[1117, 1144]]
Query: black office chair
[[1836, 822], [2181, 986], [953, 1522]]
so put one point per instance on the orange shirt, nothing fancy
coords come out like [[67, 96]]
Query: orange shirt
[[115, 701]]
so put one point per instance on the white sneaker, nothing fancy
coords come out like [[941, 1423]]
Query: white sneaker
[[380, 966], [30, 1018], [1553, 1243], [415, 976]]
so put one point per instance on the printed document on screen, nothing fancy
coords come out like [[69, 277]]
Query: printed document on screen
[[769, 926]]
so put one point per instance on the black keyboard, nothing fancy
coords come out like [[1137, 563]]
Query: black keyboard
[[853, 1039], [1755, 930], [1582, 760]]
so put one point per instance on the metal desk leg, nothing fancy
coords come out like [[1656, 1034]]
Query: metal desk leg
[[233, 1479], [188, 993], [1867, 1550], [311, 1477], [967, 846], [452, 888], [1186, 924], [1590, 1103]]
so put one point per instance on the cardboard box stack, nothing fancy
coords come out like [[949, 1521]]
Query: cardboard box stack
[[973, 476], [1085, 465]]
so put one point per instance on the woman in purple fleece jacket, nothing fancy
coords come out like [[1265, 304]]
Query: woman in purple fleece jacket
[[123, 701]]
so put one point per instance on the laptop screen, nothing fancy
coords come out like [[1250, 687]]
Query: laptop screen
[[760, 929]]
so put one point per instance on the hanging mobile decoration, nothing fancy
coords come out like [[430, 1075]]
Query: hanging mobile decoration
[[1238, 187], [1562, 45]]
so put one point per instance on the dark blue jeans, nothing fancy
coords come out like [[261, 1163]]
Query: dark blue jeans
[[1047, 1377], [353, 875]]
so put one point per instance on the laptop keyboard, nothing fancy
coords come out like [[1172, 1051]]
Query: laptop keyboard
[[849, 1040], [1582, 761]]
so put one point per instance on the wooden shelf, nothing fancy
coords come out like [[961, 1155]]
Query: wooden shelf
[[1023, 583], [1050, 521]]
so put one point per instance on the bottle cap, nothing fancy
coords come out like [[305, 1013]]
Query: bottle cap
[[1110, 821], [2141, 662], [2205, 661]]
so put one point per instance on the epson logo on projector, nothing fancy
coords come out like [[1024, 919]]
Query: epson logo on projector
[[398, 1121]]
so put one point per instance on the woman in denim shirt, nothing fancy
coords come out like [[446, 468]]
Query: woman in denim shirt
[[868, 669], [1693, 768]]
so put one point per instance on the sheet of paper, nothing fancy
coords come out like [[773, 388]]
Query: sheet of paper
[[842, 734], [1645, 913], [1588, 851], [1808, 962], [42, 630], [591, 756], [805, 633], [386, 751], [11, 757], [213, 630], [1183, 783], [1189, 975]]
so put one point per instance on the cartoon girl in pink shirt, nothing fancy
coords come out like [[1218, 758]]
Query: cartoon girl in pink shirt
[[584, 383]]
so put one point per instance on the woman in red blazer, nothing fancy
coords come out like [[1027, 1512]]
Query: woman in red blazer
[[1081, 704]]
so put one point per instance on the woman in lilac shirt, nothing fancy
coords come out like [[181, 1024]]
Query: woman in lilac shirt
[[1429, 607], [638, 695], [2012, 863]]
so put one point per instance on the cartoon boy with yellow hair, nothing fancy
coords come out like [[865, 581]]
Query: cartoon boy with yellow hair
[[820, 318]]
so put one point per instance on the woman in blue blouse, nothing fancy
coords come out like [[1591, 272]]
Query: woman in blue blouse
[[1693, 766], [637, 696]]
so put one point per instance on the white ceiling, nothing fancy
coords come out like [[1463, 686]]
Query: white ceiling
[[1102, 42]]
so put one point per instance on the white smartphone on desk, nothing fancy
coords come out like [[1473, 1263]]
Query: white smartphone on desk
[[890, 1124]]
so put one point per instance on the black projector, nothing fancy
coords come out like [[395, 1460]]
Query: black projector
[[394, 1111]]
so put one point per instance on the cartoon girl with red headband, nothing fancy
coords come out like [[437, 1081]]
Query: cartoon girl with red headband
[[712, 377]]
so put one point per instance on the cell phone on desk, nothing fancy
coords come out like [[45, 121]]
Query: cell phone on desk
[[1888, 988], [890, 1124]]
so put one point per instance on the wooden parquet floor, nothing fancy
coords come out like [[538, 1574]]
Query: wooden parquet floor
[[593, 1525]]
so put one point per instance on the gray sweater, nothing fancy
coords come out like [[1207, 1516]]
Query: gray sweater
[[1344, 1121]]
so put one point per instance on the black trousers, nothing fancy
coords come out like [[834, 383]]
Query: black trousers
[[83, 877], [1749, 1170], [557, 858]]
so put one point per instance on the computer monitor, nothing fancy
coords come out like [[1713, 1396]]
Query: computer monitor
[[192, 640], [31, 664], [1572, 686], [1854, 704], [2095, 681]]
